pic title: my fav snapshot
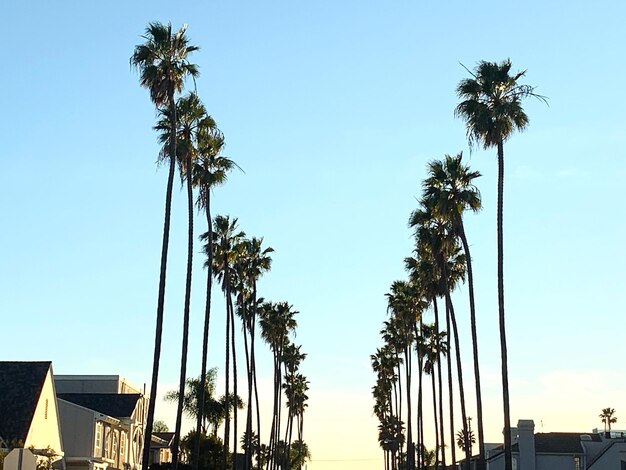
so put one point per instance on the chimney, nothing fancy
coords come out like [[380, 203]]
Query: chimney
[[526, 440]]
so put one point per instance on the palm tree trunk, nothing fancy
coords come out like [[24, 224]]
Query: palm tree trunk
[[437, 446], [161, 297], [479, 400], [183, 358], [409, 422], [227, 369], [441, 424], [247, 330], [256, 388], [420, 364], [508, 459], [459, 368], [450, 389], [235, 395], [205, 334], [270, 459]]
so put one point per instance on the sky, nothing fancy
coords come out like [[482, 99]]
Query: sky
[[332, 110]]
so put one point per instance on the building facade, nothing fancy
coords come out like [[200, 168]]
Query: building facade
[[102, 420]]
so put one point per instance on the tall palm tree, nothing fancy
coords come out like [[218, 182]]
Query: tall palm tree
[[435, 244], [448, 192], [254, 261], [277, 321], [224, 245], [406, 306], [492, 109], [192, 120], [210, 169], [435, 349], [163, 64]]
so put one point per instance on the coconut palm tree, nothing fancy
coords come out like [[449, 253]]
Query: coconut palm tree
[[448, 192], [492, 109], [210, 169], [163, 64]]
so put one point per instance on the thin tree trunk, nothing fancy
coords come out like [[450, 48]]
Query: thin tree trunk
[[227, 370], [205, 334], [270, 459], [256, 387], [450, 388], [183, 358], [479, 400], [235, 395], [420, 364], [437, 446], [441, 424], [161, 297], [508, 462], [246, 331], [409, 423]]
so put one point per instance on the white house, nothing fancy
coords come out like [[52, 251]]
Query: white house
[[102, 419], [29, 415]]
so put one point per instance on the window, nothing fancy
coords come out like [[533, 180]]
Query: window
[[114, 451], [576, 463], [123, 438], [98, 439], [107, 443]]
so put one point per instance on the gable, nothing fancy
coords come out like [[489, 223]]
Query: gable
[[45, 429], [21, 384]]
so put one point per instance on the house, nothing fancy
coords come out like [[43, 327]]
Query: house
[[161, 447], [29, 414], [102, 420], [561, 450]]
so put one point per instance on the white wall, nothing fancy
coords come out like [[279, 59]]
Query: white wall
[[45, 430]]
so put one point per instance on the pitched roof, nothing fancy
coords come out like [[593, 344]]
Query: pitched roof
[[20, 389], [117, 405], [165, 437], [559, 442]]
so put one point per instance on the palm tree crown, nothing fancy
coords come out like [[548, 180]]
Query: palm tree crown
[[163, 61], [492, 103]]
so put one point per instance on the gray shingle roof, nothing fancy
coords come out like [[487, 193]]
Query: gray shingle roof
[[559, 443], [117, 405], [20, 389]]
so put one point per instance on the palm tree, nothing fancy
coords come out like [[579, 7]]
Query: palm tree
[[448, 192], [252, 263], [435, 349], [163, 64], [276, 322], [492, 109], [437, 246], [214, 409], [406, 306], [192, 119], [608, 417], [224, 246], [465, 439], [210, 169]]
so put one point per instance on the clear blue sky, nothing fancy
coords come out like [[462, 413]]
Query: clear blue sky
[[332, 109]]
